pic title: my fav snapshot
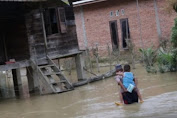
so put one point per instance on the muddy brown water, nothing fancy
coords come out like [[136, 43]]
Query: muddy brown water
[[96, 100]]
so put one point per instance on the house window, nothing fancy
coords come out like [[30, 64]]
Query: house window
[[62, 20], [123, 11], [111, 14], [125, 31], [114, 34], [55, 20], [117, 12]]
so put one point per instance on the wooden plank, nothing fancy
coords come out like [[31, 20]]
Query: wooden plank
[[15, 65]]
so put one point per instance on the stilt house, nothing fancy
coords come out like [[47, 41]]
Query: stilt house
[[32, 34]]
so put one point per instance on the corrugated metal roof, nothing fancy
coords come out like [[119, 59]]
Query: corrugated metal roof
[[21, 0], [85, 2]]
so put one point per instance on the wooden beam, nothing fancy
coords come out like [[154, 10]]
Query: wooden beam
[[44, 30], [15, 65]]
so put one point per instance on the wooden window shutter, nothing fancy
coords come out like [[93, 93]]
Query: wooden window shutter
[[62, 20]]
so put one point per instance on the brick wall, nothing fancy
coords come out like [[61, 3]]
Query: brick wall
[[166, 19], [97, 17]]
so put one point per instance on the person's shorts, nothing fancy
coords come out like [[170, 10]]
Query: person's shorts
[[135, 89], [130, 98]]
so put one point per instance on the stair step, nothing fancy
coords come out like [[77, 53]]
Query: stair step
[[51, 80], [52, 73], [56, 82], [47, 66], [64, 90], [57, 89], [60, 90]]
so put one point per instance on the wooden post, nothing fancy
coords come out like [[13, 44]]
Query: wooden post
[[89, 60], [44, 30], [97, 58], [131, 50], [109, 56]]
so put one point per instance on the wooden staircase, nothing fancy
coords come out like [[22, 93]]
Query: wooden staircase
[[54, 77]]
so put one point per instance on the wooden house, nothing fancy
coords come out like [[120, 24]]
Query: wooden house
[[32, 34]]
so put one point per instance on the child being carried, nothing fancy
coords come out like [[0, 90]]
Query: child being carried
[[127, 81]]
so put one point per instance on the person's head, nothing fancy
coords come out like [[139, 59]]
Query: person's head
[[126, 68], [119, 68]]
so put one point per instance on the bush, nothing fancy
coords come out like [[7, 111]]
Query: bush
[[174, 42], [174, 35], [149, 58], [165, 61]]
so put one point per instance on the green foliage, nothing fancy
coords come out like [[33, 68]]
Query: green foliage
[[165, 61], [149, 58], [174, 43], [151, 69], [174, 35], [164, 43], [172, 5]]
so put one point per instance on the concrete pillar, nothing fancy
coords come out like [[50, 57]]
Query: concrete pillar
[[22, 81], [79, 67], [6, 84], [36, 81], [30, 79], [10, 84]]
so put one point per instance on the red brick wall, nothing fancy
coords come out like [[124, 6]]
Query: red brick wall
[[97, 17], [166, 19]]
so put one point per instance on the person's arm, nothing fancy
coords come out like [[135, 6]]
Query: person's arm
[[122, 86], [120, 74], [136, 81]]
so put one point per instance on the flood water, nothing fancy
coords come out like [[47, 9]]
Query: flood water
[[96, 100]]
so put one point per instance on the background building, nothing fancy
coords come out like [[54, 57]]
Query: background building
[[103, 22]]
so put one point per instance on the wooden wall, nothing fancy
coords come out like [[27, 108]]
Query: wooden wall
[[24, 37], [58, 44], [35, 34]]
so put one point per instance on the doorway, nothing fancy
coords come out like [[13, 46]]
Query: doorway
[[125, 31], [114, 34], [13, 32]]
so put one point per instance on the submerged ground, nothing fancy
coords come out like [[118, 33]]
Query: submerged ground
[[96, 100]]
